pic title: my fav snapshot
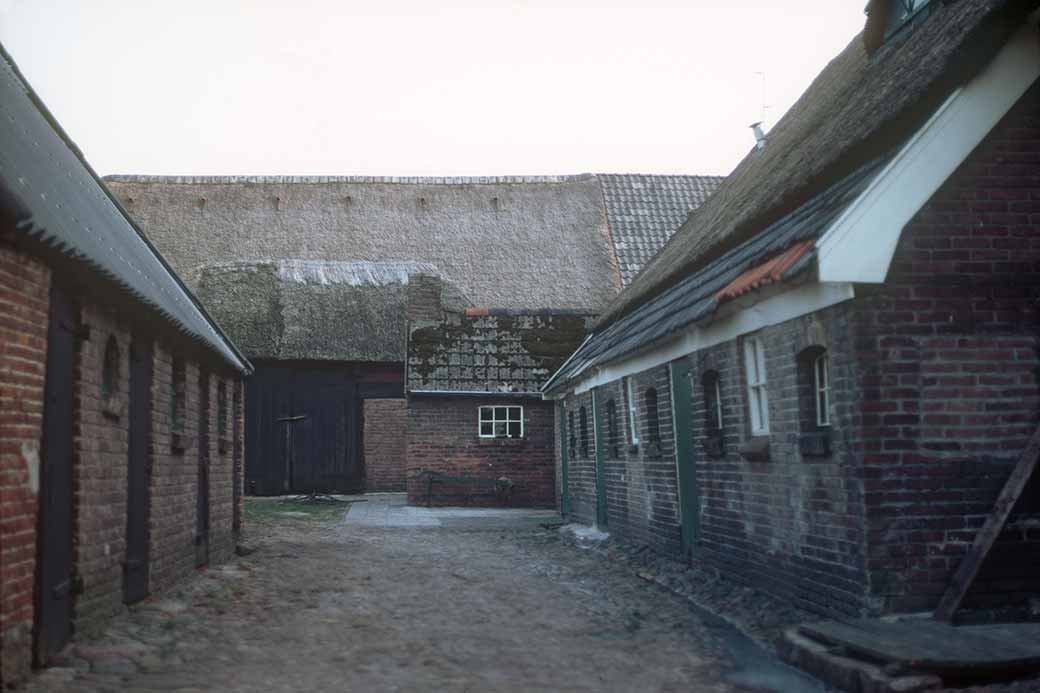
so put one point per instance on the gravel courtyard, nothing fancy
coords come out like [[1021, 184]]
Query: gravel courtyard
[[396, 599]]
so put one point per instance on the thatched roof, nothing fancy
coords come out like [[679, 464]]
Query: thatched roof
[[858, 107], [312, 309], [527, 243]]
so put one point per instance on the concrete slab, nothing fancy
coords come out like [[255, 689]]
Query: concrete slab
[[391, 511]]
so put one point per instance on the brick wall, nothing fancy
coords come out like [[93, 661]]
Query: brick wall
[[100, 469], [384, 446], [640, 479], [24, 288], [443, 436], [948, 368]]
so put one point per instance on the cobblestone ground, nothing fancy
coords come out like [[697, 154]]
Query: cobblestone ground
[[324, 605]]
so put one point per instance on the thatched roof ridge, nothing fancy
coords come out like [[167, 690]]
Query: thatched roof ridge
[[859, 106]]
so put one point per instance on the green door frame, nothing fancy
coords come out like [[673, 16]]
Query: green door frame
[[601, 481], [565, 493], [685, 463]]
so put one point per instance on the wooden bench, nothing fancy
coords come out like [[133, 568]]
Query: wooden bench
[[503, 488]]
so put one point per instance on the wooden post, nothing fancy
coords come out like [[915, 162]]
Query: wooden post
[[984, 540]]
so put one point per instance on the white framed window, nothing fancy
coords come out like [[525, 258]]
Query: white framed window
[[758, 397], [630, 401], [822, 386], [502, 422]]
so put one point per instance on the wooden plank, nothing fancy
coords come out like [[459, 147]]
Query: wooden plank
[[927, 645], [984, 540]]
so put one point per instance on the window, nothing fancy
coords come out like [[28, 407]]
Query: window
[[900, 13], [110, 370], [178, 391], [653, 423], [630, 400], [583, 421], [613, 447], [822, 389], [712, 401], [572, 441], [758, 397], [501, 422]]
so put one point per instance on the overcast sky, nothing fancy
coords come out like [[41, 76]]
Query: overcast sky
[[420, 87]]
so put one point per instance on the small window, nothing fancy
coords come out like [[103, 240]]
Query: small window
[[583, 421], [758, 396], [110, 370], [572, 441], [630, 400], [221, 409], [613, 439], [822, 387], [712, 402], [653, 422], [501, 422], [900, 12], [178, 391]]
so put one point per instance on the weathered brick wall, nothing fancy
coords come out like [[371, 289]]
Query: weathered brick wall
[[640, 480], [949, 366], [443, 436], [384, 444], [24, 302], [100, 469], [221, 471], [790, 523]]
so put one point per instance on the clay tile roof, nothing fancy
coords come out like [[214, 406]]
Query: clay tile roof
[[769, 272]]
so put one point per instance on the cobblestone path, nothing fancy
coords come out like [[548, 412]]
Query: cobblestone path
[[328, 605]]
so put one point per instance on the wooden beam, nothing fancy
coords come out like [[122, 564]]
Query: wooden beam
[[984, 540]]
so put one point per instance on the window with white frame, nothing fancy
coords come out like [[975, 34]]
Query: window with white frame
[[822, 386], [758, 397], [630, 401], [502, 422]]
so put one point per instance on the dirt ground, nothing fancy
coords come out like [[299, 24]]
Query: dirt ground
[[324, 605]]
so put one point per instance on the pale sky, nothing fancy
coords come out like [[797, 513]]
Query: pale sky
[[420, 87]]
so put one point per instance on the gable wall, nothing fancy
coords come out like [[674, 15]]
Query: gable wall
[[948, 369]]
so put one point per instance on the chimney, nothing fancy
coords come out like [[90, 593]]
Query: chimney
[[760, 137]]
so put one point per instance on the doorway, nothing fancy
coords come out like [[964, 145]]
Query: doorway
[[689, 495], [138, 500]]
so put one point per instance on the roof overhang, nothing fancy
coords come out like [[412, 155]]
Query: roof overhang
[[859, 246]]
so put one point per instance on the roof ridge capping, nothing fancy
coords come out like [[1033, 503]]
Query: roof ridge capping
[[318, 180], [856, 107]]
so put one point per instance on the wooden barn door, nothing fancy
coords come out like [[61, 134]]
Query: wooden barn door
[[202, 490], [54, 572], [327, 446], [682, 417], [138, 500]]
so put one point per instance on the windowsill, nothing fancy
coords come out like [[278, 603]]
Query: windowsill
[[815, 443], [755, 449], [713, 444], [113, 407], [502, 442]]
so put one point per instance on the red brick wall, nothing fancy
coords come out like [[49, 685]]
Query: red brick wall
[[100, 471], [443, 436], [384, 444], [948, 352], [24, 289]]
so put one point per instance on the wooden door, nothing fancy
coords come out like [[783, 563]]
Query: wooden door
[[202, 490], [601, 452], [327, 451], [686, 470], [138, 496], [54, 573]]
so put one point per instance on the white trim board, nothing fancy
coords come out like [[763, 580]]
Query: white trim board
[[756, 311], [859, 245]]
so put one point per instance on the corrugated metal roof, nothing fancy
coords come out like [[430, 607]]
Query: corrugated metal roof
[[63, 204], [770, 271], [697, 296]]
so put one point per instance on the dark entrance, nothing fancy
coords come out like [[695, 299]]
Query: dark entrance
[[316, 409], [54, 572], [202, 496], [138, 500]]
